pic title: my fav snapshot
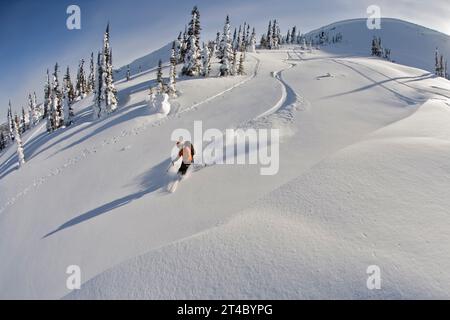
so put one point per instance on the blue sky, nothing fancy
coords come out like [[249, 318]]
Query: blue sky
[[33, 34]]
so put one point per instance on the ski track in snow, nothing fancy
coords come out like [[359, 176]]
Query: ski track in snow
[[408, 100], [401, 83], [239, 84], [284, 109], [125, 133]]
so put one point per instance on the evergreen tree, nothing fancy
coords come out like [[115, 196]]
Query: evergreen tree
[[2, 141], [20, 152], [29, 114], [217, 45], [241, 68], [17, 122], [35, 114], [173, 71], [184, 45], [206, 61], [252, 41], [247, 37], [47, 93], [437, 67], [269, 38], [81, 81], [159, 76], [178, 45], [66, 112], [110, 92], [263, 41], [193, 57], [25, 120], [98, 105], [69, 87], [294, 35], [446, 70], [244, 36], [235, 63], [56, 107], [377, 49], [91, 81], [239, 40], [276, 36], [288, 37], [226, 50], [10, 122], [48, 105], [128, 73], [68, 98]]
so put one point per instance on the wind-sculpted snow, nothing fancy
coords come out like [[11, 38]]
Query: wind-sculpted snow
[[315, 237]]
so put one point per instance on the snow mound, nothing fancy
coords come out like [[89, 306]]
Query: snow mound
[[316, 236]]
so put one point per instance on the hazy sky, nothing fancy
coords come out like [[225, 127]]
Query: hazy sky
[[33, 34]]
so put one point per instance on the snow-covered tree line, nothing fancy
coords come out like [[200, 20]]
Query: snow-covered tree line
[[197, 57], [273, 38], [441, 67], [27, 119], [379, 51]]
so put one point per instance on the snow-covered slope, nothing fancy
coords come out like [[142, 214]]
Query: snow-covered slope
[[360, 183], [315, 236], [411, 44]]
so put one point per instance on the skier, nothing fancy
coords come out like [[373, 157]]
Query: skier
[[187, 153]]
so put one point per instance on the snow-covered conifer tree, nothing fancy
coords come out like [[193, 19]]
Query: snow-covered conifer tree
[[294, 35], [20, 153], [91, 81], [66, 114], [173, 71], [206, 61], [81, 81], [18, 138], [47, 93], [128, 73], [252, 42], [241, 68], [3, 142], [192, 62], [110, 92], [56, 107], [159, 76], [69, 86], [269, 38], [98, 105], [239, 40], [184, 44], [178, 44], [288, 37], [217, 46], [226, 50], [10, 122], [48, 104]]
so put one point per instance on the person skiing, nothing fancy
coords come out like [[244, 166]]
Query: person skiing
[[186, 153]]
